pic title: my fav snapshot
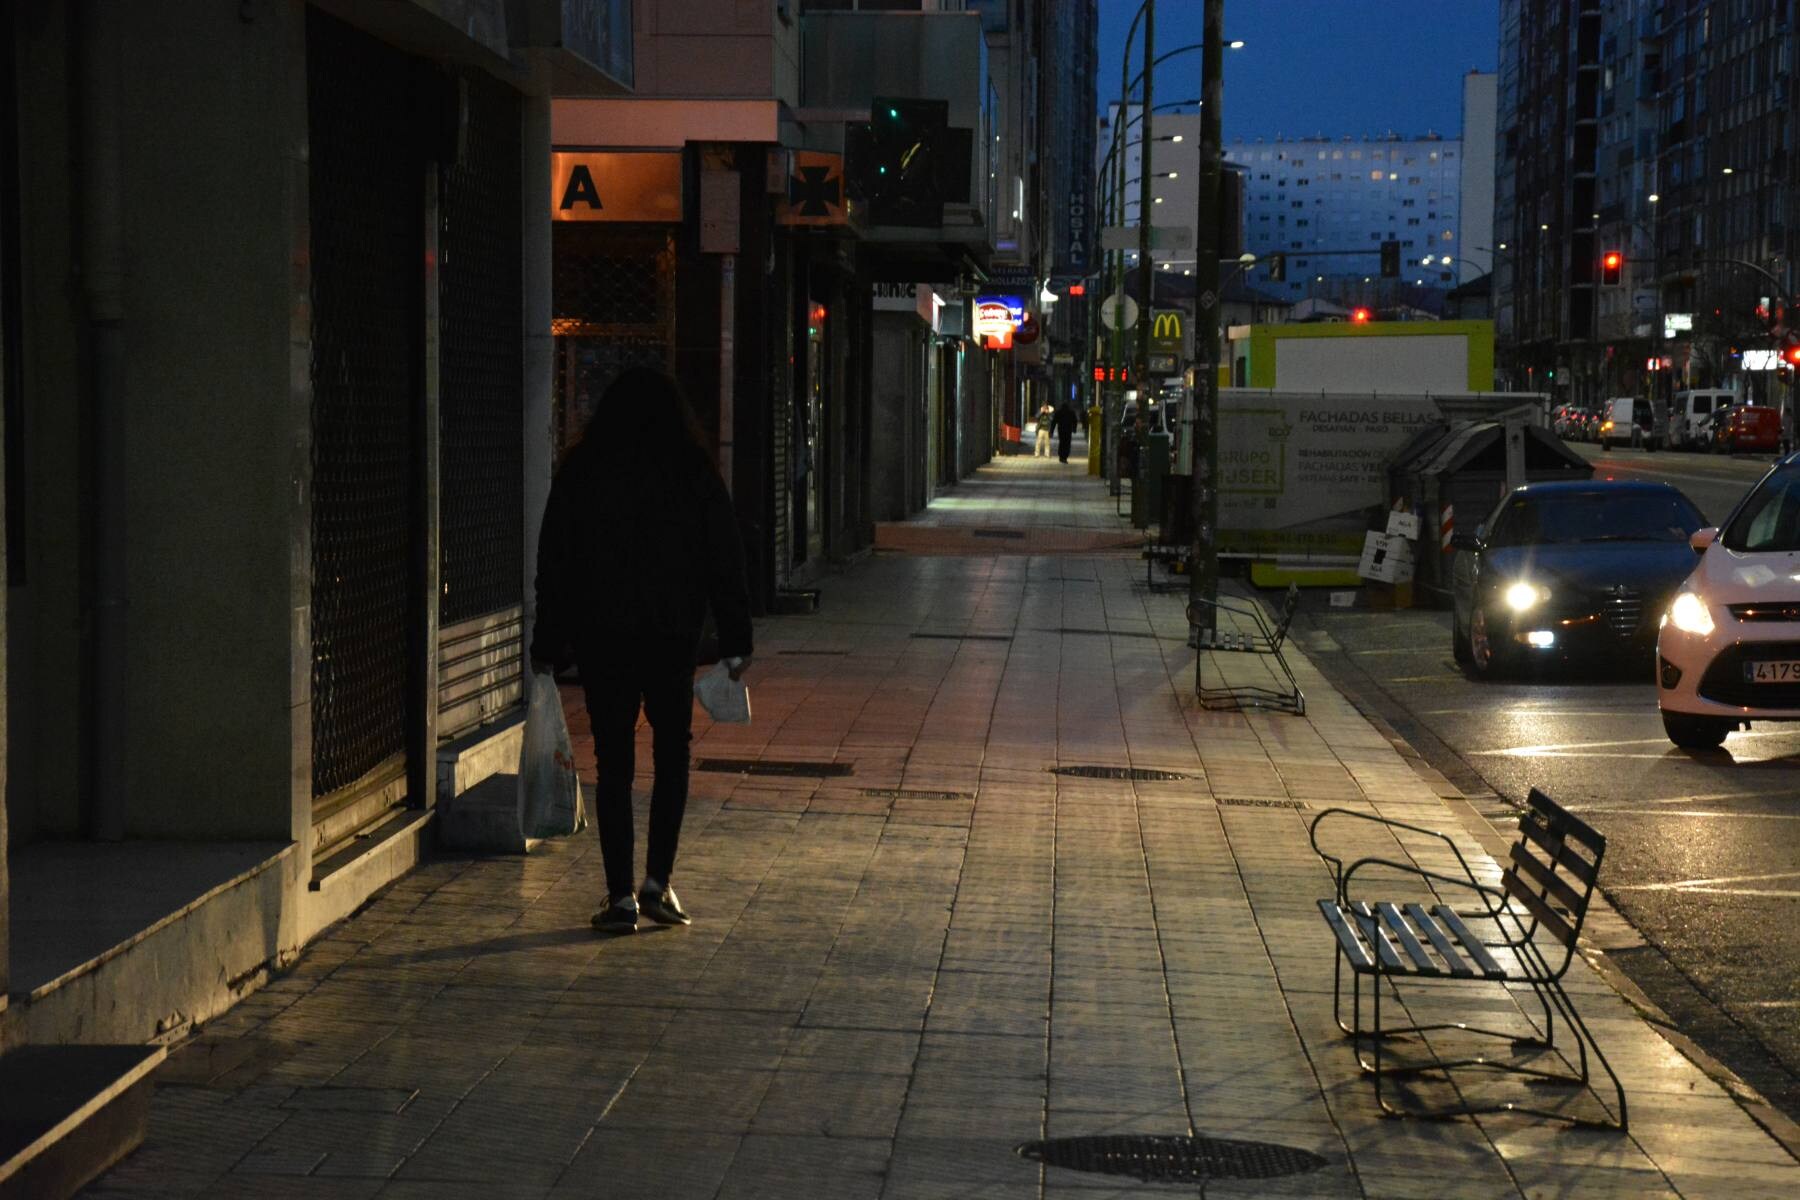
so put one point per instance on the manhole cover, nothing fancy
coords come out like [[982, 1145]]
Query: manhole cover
[[1157, 1158], [914, 794], [1253, 803], [1140, 774], [965, 637], [772, 766]]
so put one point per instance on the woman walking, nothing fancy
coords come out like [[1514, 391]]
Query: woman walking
[[638, 541]]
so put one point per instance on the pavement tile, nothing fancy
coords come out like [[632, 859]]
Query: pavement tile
[[776, 1167], [668, 1164]]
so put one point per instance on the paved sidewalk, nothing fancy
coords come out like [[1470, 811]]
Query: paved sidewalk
[[902, 970]]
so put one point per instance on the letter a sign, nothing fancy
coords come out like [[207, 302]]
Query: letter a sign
[[622, 186]]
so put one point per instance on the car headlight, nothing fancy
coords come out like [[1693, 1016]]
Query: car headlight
[[1689, 614], [1521, 596]]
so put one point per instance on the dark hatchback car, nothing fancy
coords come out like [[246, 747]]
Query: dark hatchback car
[[1565, 569]]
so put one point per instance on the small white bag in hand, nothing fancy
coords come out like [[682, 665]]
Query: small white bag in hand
[[549, 789], [725, 699]]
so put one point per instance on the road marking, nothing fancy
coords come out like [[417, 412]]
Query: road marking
[[1520, 713], [1400, 650], [1566, 748], [1420, 679], [1704, 798], [1712, 887], [1698, 814]]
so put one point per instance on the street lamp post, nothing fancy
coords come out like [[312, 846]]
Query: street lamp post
[[1108, 417], [1144, 177], [1203, 572]]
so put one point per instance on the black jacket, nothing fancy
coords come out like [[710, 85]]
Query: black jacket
[[638, 547]]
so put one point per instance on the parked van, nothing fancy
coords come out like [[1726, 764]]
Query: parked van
[[1690, 417], [1627, 421]]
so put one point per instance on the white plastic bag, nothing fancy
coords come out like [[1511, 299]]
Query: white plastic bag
[[549, 789], [725, 699]]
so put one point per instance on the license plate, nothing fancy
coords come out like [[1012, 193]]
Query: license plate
[[1776, 671]]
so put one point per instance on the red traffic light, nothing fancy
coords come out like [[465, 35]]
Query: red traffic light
[[1359, 315], [1791, 354], [1612, 264]]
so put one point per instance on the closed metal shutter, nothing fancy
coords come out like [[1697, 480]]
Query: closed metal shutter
[[481, 414], [365, 185]]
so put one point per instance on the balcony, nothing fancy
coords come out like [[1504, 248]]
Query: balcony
[[586, 44]]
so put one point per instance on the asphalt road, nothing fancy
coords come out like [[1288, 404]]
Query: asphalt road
[[1703, 853]]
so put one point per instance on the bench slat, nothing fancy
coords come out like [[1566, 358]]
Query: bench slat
[[1445, 948], [1472, 944], [1544, 877], [1397, 923], [1371, 928], [1347, 939], [1548, 917], [1562, 820], [1556, 848]]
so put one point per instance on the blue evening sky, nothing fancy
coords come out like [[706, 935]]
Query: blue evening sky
[[1309, 67]]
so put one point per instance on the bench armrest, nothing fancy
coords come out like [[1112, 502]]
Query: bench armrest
[[1236, 608], [1337, 864]]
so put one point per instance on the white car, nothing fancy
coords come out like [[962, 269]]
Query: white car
[[1728, 651]]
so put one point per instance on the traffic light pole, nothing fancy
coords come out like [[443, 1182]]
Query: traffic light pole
[[1203, 570]]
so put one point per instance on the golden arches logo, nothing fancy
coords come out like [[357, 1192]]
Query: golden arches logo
[[1167, 325]]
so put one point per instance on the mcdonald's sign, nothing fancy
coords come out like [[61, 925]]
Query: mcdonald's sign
[[1168, 333]]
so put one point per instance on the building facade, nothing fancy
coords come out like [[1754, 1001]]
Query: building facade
[[1327, 205], [1660, 131]]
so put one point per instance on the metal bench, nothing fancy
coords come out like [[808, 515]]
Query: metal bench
[[1543, 900], [1165, 552], [1263, 638]]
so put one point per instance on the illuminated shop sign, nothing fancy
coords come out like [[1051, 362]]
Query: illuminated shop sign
[[616, 186], [996, 317]]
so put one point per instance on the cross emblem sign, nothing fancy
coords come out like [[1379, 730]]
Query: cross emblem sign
[[815, 191]]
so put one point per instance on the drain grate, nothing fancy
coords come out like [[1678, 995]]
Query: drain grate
[[1172, 1159], [997, 533], [965, 637], [914, 794], [773, 766], [1104, 633], [1298, 805], [1139, 774]]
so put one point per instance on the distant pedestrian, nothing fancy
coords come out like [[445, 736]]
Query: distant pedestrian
[[1045, 418], [1066, 420], [639, 539]]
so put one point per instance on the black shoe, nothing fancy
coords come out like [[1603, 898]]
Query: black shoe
[[620, 915], [663, 908]]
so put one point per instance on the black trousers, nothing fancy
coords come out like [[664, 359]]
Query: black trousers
[[658, 674], [1062, 443]]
